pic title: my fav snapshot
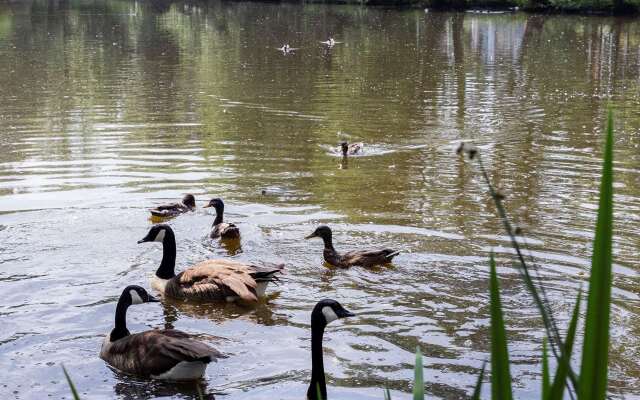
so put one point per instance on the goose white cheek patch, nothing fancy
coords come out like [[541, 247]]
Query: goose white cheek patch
[[159, 236], [329, 314], [135, 298]]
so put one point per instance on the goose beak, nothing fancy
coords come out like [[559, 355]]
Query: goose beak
[[311, 236], [142, 240], [207, 206], [152, 299], [346, 313]]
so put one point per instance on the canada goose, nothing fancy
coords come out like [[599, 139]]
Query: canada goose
[[224, 230], [171, 210], [365, 258], [159, 353], [351, 149], [209, 280], [323, 313]]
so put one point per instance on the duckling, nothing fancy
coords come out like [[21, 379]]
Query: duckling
[[159, 353], [351, 149], [323, 313], [172, 210], [365, 258], [210, 280], [224, 230]]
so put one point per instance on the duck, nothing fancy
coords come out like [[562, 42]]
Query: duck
[[364, 258], [351, 149], [166, 354], [223, 230], [330, 42], [171, 210], [286, 49], [210, 280], [324, 312]]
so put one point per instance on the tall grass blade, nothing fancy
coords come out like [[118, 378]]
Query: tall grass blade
[[559, 382], [545, 370], [500, 375], [74, 392], [418, 381], [478, 389], [595, 357]]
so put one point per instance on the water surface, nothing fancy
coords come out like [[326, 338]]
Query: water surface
[[110, 107]]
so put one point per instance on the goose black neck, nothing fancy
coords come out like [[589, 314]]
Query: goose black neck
[[317, 364], [120, 329], [219, 214], [166, 270]]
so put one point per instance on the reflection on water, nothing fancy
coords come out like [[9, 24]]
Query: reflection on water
[[110, 107]]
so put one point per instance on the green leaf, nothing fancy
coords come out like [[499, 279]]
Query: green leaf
[[387, 394], [545, 369], [500, 375], [478, 389], [595, 350], [559, 382], [418, 381], [71, 385]]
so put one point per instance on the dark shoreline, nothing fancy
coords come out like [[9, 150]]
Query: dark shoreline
[[623, 9]]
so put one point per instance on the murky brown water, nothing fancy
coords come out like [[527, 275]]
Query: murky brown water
[[109, 107]]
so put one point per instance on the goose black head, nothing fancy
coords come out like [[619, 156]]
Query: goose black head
[[157, 233], [345, 148], [327, 311], [215, 203], [136, 295], [322, 231], [189, 201]]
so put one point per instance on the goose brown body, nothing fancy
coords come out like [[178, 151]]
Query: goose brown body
[[364, 258], [215, 280], [154, 353]]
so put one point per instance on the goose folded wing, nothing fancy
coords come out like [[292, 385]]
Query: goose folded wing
[[227, 276]]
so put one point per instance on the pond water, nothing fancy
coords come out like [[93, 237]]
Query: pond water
[[111, 107]]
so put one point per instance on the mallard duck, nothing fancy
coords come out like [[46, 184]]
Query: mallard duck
[[323, 313], [171, 210], [365, 258], [224, 230], [351, 149], [210, 280], [159, 353]]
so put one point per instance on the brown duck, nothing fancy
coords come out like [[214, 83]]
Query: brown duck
[[159, 353], [351, 149], [364, 258], [210, 280], [220, 229], [171, 210]]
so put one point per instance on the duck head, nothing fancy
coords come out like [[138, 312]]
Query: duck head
[[136, 295], [189, 201], [215, 203], [322, 231], [157, 233]]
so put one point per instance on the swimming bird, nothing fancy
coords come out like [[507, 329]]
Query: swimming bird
[[286, 49], [323, 313], [210, 280], [365, 258], [330, 42], [159, 353], [352, 149], [224, 230], [171, 210]]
